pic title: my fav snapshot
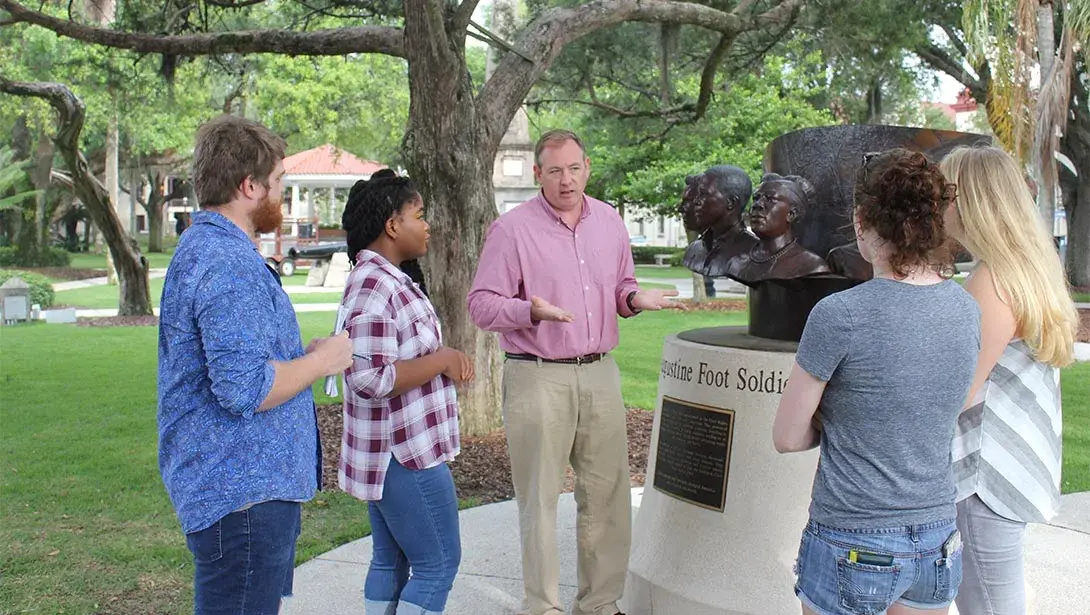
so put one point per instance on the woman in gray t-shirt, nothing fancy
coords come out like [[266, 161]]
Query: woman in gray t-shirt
[[889, 362]]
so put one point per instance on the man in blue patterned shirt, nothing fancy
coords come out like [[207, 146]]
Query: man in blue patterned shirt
[[238, 436]]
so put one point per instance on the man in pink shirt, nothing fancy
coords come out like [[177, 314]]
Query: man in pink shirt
[[555, 273]]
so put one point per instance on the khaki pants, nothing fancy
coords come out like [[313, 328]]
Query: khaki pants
[[557, 414]]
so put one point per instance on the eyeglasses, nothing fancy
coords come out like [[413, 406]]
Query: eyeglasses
[[867, 157]]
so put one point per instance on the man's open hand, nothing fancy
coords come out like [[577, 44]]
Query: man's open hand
[[657, 300], [542, 310]]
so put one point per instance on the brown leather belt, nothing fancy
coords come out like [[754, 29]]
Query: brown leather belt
[[583, 360]]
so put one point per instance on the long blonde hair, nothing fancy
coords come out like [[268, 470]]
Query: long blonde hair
[[1001, 227]]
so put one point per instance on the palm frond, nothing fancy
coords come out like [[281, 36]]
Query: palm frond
[[1077, 20], [17, 200], [14, 179], [1052, 106]]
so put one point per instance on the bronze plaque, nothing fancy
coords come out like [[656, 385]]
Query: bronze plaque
[[693, 456]]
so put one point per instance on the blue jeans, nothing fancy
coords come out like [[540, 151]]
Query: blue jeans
[[863, 572], [244, 562], [413, 527]]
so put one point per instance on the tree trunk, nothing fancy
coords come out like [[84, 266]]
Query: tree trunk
[[132, 268], [1078, 234], [874, 103], [450, 158], [113, 191], [1046, 57], [43, 161], [153, 207], [31, 240], [155, 227], [1075, 144], [700, 293]]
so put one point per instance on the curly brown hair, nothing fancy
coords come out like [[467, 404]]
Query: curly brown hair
[[902, 196]]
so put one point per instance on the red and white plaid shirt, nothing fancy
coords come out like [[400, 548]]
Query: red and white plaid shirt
[[389, 319]]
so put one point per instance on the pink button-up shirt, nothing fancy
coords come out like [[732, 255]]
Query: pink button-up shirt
[[531, 252]]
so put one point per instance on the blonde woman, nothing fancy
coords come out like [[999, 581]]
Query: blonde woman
[[1007, 447]]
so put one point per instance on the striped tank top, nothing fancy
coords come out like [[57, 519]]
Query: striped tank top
[[1007, 448]]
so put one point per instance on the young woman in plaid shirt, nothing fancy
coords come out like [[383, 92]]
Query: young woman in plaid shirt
[[400, 405]]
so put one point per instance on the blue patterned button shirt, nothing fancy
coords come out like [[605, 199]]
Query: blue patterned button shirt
[[223, 318]]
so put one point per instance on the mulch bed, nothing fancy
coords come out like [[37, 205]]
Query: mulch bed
[[482, 470], [717, 305], [68, 273], [119, 321]]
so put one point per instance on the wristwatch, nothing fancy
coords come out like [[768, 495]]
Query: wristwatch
[[628, 301]]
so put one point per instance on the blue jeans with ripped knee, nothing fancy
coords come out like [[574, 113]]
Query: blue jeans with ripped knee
[[416, 548]]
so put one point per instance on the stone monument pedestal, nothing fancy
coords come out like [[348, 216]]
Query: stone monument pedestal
[[339, 266], [722, 513], [318, 272]]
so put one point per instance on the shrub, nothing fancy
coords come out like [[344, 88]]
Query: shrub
[[41, 291], [55, 257], [645, 255], [11, 256]]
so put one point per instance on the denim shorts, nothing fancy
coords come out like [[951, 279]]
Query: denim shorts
[[863, 572]]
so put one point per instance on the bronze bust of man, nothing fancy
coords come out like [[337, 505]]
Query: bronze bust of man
[[846, 260], [778, 202], [712, 205]]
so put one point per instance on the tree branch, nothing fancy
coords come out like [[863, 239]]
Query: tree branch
[[938, 59], [340, 41], [955, 40], [62, 179], [71, 113], [544, 38], [707, 78], [431, 53], [493, 40], [464, 14], [233, 4], [625, 113]]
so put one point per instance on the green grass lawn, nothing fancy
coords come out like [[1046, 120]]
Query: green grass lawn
[[101, 297], [1075, 387], [90, 260], [640, 353], [87, 522], [1081, 297], [85, 518], [652, 271]]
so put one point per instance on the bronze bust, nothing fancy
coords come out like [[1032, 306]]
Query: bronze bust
[[846, 260], [712, 205], [778, 202]]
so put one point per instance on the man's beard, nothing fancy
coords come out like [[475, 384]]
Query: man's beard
[[267, 217]]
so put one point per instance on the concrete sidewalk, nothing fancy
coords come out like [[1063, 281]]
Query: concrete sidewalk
[[74, 284], [489, 579]]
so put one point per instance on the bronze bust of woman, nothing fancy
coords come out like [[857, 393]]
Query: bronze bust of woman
[[778, 202], [712, 205]]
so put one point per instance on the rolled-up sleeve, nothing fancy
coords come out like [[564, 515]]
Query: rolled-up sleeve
[[626, 277], [374, 350], [231, 311], [493, 300]]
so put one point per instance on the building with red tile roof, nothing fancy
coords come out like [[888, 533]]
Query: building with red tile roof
[[316, 184]]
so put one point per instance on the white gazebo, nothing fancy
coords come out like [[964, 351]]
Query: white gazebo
[[314, 178]]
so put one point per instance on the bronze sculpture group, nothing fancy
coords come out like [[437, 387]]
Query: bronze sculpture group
[[796, 244], [714, 205]]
